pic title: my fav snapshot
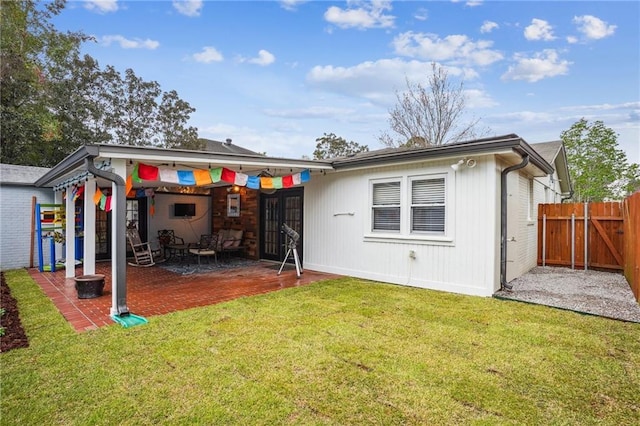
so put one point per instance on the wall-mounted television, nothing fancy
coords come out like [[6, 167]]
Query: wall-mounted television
[[184, 209]]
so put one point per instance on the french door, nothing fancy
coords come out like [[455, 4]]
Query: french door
[[136, 216], [283, 206]]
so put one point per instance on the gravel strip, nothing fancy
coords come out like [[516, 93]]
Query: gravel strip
[[604, 294]]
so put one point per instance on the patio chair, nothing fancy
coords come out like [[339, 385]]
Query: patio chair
[[168, 238], [143, 254], [206, 247]]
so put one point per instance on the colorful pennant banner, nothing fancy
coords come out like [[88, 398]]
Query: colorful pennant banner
[[205, 177]]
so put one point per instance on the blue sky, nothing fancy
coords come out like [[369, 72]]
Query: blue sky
[[275, 75]]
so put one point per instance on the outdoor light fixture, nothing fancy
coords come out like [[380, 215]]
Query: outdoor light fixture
[[469, 163]]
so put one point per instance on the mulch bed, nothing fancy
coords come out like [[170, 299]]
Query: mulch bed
[[14, 336]]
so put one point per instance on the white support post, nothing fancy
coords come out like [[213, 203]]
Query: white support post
[[70, 235], [89, 241]]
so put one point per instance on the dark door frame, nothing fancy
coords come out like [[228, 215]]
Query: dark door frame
[[268, 233]]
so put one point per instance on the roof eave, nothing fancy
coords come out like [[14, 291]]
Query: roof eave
[[484, 146], [66, 166]]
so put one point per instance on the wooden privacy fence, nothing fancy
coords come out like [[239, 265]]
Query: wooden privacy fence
[[600, 236], [631, 214]]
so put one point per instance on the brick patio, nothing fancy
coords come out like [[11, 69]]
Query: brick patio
[[157, 291]]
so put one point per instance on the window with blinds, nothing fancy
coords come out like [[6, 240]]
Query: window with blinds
[[428, 205], [386, 206]]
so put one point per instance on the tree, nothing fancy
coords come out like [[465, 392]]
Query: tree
[[53, 100], [32, 50], [430, 115], [331, 146], [599, 170]]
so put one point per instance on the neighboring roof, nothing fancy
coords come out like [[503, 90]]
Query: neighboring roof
[[548, 150], [226, 147], [12, 174], [498, 144], [556, 155]]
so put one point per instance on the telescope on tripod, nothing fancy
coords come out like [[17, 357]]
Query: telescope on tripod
[[292, 243]]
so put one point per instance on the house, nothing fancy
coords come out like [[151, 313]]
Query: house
[[458, 217], [18, 194]]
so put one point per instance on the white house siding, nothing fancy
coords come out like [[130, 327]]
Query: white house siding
[[337, 219], [15, 224]]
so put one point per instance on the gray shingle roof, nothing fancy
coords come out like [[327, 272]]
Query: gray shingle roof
[[548, 150], [225, 147], [11, 174]]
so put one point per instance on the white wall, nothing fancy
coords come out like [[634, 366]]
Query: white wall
[[189, 229], [15, 225], [467, 263]]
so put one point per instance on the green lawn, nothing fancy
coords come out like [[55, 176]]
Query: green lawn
[[340, 352]]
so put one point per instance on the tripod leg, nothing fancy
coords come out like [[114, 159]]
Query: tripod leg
[[297, 261], [285, 261]]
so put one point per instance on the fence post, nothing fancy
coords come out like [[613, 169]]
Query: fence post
[[586, 236], [573, 240], [544, 239]]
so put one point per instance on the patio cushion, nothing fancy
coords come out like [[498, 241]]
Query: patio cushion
[[236, 236]]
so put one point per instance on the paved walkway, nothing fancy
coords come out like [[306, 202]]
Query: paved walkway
[[158, 290], [605, 294]]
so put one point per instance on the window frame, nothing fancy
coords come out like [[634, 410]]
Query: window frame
[[405, 234], [412, 205], [373, 207]]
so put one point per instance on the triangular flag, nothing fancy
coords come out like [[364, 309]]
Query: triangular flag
[[241, 179], [168, 175], [202, 177], [107, 204], [97, 196], [287, 181], [228, 176], [216, 174], [149, 192], [277, 182], [253, 182], [147, 172], [297, 180], [266, 182], [305, 176], [128, 184], [185, 177], [103, 201], [134, 174], [78, 192]]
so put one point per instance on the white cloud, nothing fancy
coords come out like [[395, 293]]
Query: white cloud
[[309, 112], [376, 81], [476, 98], [593, 28], [456, 48], [291, 4], [421, 14], [188, 7], [539, 30], [488, 26], [209, 54], [473, 3], [101, 6], [126, 43], [264, 58], [369, 15], [542, 65], [572, 39]]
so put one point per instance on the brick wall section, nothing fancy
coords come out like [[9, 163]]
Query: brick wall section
[[248, 220], [15, 224]]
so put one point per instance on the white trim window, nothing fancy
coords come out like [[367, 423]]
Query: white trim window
[[413, 207], [428, 205], [385, 206]]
